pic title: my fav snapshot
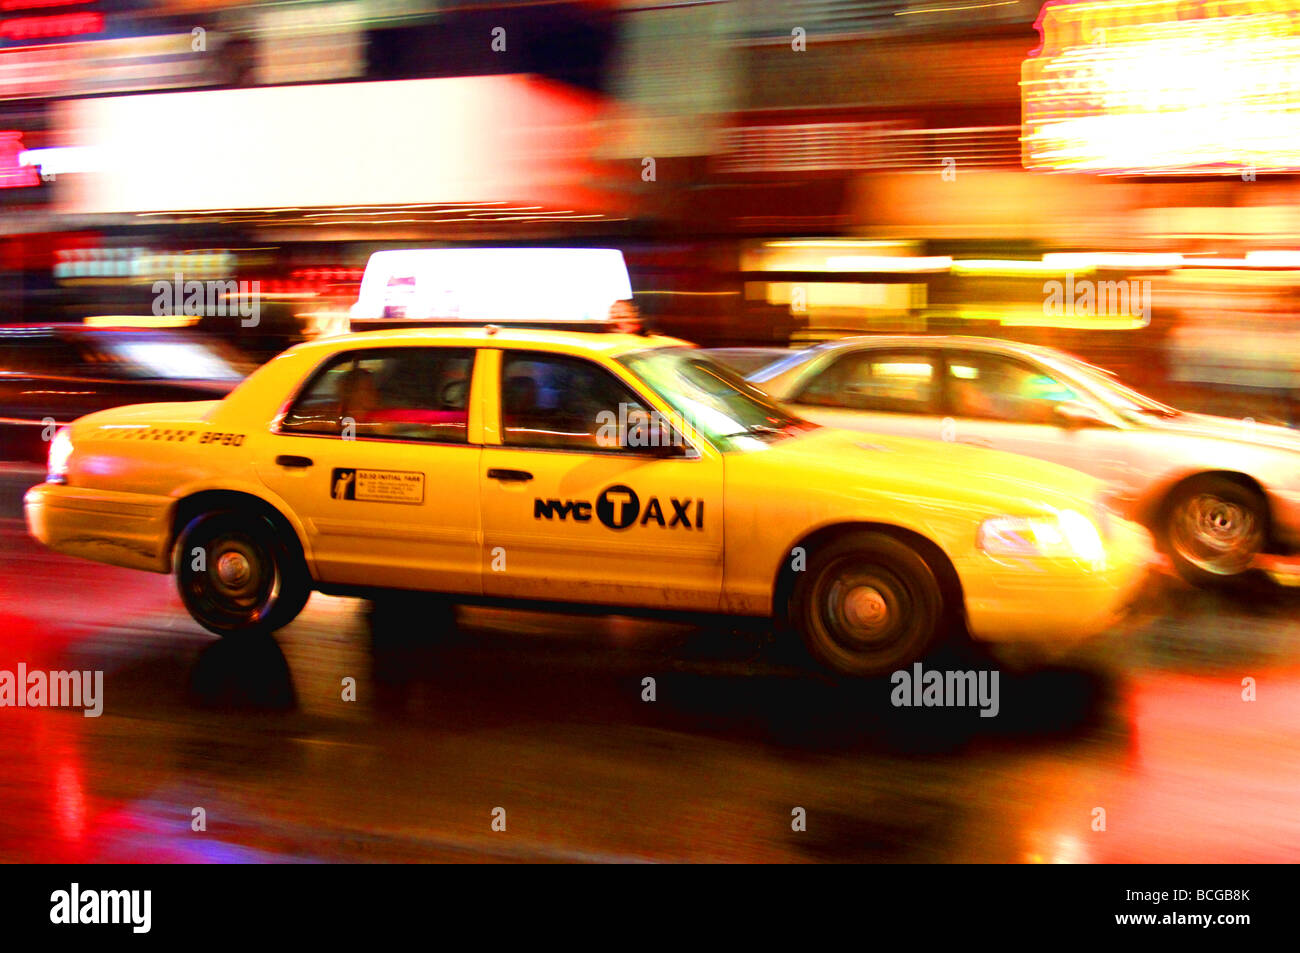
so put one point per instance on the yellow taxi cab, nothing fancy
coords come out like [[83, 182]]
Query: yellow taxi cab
[[627, 471]]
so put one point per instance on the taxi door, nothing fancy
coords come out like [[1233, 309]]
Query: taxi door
[[574, 509], [379, 458]]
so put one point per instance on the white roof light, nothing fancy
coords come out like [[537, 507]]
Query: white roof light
[[493, 285]]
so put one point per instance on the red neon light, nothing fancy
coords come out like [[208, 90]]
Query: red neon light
[[13, 175], [33, 4], [58, 24]]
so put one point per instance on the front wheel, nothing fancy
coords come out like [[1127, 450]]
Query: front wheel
[[238, 575], [867, 605], [1214, 528]]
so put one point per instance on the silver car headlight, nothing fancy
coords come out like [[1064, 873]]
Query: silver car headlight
[[1066, 534]]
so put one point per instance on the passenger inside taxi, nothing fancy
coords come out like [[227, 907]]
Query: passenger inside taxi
[[404, 393], [358, 396], [556, 401]]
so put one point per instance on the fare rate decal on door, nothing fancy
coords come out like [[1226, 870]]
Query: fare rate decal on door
[[377, 486], [619, 506]]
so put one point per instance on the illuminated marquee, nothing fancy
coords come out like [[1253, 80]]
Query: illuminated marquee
[[1164, 87]]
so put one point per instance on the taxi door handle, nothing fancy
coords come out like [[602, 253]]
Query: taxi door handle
[[976, 442], [288, 460], [509, 476]]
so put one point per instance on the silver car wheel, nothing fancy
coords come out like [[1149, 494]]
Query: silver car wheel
[[1216, 535]]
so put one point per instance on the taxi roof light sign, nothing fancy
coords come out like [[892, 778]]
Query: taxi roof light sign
[[493, 286]]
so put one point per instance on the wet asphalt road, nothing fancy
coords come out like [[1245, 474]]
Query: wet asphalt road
[[542, 715]]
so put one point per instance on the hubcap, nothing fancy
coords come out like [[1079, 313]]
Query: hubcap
[[865, 609], [239, 587], [861, 609], [236, 576], [233, 569], [1216, 535]]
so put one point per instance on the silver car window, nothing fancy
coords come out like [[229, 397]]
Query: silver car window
[[888, 381], [985, 386]]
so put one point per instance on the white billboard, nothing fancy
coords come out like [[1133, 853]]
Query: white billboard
[[410, 142]]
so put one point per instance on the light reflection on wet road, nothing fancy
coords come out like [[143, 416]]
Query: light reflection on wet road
[[542, 715]]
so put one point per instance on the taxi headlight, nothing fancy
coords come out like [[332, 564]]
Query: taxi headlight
[[1065, 534], [56, 468]]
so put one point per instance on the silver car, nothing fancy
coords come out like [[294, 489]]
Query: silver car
[[1217, 493]]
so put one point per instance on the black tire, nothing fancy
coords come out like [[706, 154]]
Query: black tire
[[252, 579], [1213, 528], [867, 605]]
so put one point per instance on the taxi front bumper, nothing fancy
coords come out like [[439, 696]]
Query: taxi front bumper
[[1019, 599], [132, 530]]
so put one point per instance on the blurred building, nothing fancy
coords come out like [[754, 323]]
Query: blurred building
[[773, 171]]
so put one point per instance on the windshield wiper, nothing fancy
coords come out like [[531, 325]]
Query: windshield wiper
[[755, 430]]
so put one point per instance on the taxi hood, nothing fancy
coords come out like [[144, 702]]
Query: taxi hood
[[910, 466]]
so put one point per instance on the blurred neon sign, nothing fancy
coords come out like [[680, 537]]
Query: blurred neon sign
[[56, 24], [38, 4], [13, 174], [1164, 87]]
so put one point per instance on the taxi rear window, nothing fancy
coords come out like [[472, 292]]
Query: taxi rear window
[[408, 393]]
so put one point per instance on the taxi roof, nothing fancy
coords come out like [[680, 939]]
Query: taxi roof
[[608, 343]]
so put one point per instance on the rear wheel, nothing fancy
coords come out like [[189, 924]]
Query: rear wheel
[[867, 605], [239, 575], [1214, 528]]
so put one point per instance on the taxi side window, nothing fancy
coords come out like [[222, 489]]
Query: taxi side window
[[901, 382], [552, 401], [407, 393], [991, 387]]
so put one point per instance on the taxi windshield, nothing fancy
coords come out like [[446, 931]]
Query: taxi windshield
[[710, 398]]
